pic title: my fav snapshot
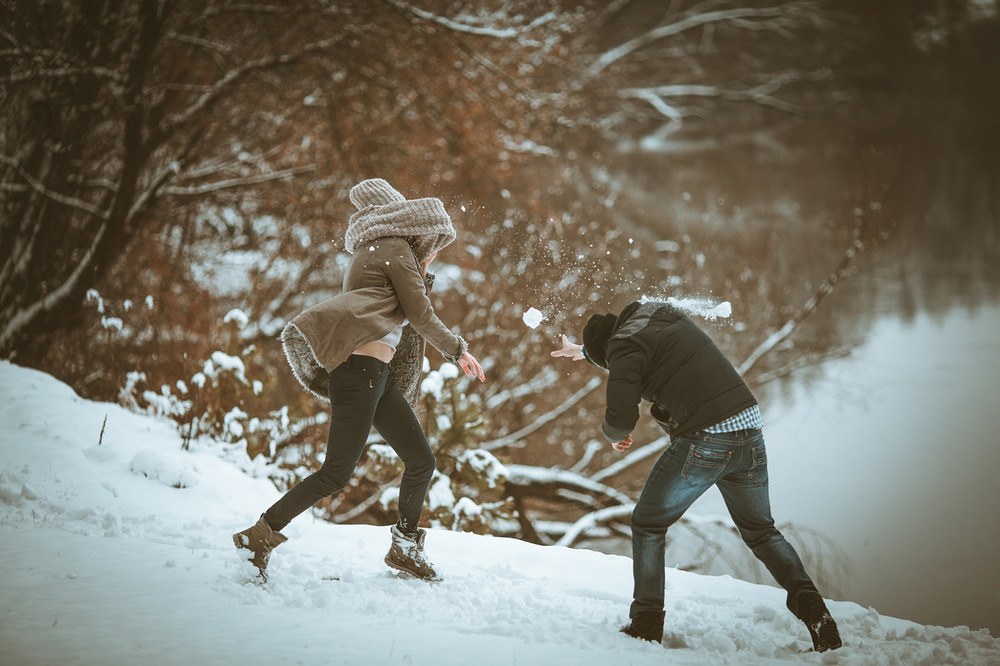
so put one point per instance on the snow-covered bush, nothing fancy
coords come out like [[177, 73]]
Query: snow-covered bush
[[455, 424], [467, 490], [218, 400]]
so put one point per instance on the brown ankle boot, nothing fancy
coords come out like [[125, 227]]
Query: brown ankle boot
[[261, 540], [406, 554]]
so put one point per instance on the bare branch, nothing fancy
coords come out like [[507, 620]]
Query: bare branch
[[145, 199], [782, 333], [847, 259], [780, 14], [234, 75], [65, 72], [224, 49], [244, 181], [546, 418], [655, 97], [246, 8], [72, 202], [56, 297], [457, 26], [761, 94]]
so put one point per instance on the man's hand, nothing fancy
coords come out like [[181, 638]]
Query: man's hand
[[569, 350], [621, 446]]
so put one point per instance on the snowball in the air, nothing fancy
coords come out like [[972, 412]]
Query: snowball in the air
[[723, 310], [532, 318]]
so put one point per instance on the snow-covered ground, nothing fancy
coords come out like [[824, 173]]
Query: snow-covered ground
[[115, 549]]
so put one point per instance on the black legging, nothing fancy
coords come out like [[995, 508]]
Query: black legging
[[360, 397]]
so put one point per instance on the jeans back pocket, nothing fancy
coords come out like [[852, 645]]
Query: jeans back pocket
[[704, 465], [758, 465]]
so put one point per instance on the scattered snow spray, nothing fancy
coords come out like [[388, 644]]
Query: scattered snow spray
[[699, 306]]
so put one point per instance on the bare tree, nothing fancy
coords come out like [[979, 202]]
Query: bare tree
[[108, 104]]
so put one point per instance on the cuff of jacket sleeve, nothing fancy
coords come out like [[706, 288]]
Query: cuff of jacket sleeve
[[583, 350], [614, 435], [463, 347]]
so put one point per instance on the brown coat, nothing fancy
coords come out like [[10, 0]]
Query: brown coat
[[382, 287]]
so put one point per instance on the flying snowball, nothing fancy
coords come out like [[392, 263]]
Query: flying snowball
[[723, 310], [532, 318]]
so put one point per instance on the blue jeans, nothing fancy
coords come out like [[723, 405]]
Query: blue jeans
[[361, 397], [737, 463]]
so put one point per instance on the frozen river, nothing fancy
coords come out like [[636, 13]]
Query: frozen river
[[895, 454]]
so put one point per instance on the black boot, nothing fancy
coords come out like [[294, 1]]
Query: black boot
[[646, 625], [822, 629]]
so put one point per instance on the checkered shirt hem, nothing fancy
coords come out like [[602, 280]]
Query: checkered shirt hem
[[747, 419]]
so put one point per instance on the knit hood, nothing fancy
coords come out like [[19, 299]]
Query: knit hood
[[383, 211]]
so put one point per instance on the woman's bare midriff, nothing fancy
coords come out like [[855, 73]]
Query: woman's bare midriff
[[379, 350]]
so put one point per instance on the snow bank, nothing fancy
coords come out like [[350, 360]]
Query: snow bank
[[117, 550]]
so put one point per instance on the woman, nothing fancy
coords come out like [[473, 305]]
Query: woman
[[362, 351]]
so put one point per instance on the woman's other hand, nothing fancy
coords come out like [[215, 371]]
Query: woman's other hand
[[426, 264], [471, 366]]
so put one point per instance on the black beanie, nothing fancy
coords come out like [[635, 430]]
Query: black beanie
[[596, 334]]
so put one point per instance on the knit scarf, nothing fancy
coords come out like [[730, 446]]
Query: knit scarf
[[422, 221]]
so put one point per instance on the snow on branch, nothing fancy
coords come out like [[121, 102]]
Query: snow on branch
[[72, 202], [594, 519], [224, 49], [57, 296], [244, 181], [364, 505], [541, 480], [546, 418], [759, 18], [761, 95], [62, 73], [457, 26], [543, 380], [653, 448]]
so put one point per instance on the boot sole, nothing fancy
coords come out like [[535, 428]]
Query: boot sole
[[411, 574]]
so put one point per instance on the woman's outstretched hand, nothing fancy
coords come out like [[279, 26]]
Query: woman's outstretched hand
[[569, 350], [471, 366]]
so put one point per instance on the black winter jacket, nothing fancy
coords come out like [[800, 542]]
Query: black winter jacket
[[657, 353]]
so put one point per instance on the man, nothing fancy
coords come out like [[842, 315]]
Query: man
[[653, 351]]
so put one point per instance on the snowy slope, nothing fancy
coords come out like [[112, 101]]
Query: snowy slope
[[119, 552]]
